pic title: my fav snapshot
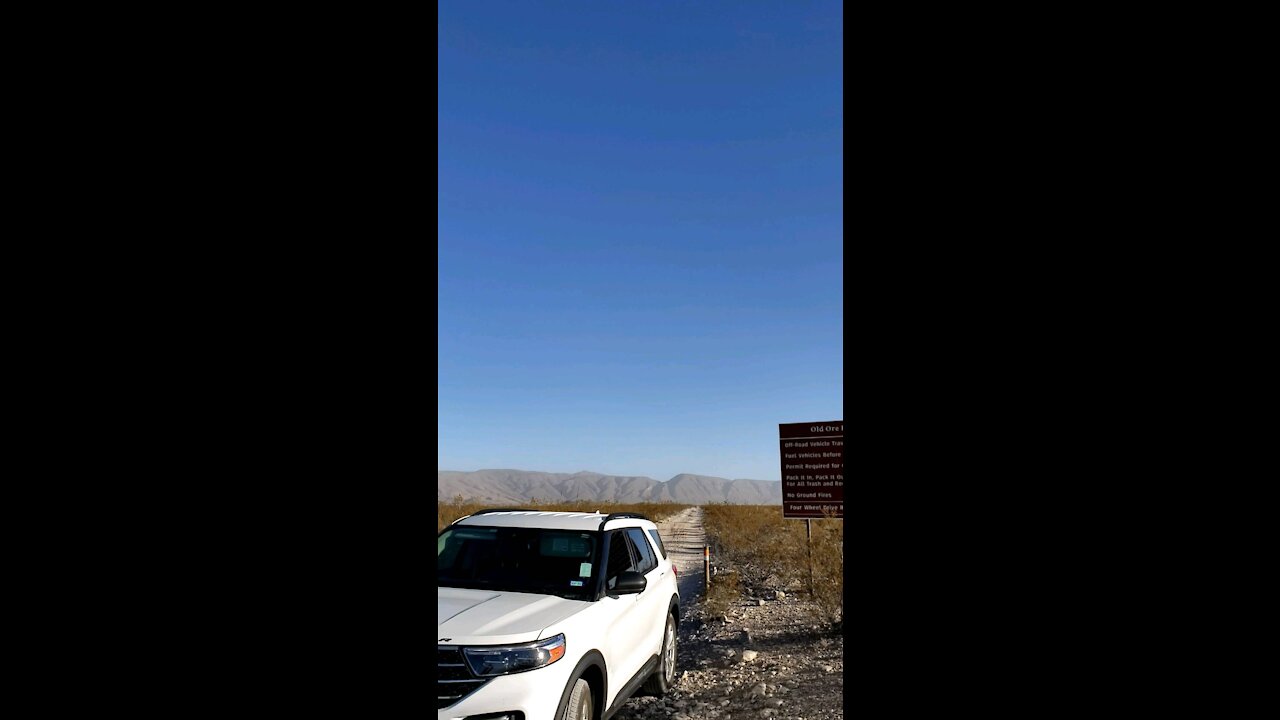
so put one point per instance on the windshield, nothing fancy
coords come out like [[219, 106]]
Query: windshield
[[531, 560]]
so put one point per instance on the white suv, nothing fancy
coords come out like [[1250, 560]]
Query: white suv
[[552, 615]]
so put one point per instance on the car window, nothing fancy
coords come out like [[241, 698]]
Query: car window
[[532, 560], [620, 559], [647, 559], [658, 541]]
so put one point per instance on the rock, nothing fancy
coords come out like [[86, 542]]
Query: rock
[[758, 689], [760, 602], [779, 595], [827, 668], [774, 702], [749, 655]]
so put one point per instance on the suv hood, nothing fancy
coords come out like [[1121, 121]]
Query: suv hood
[[494, 617]]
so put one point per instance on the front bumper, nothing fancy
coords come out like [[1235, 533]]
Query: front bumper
[[536, 693]]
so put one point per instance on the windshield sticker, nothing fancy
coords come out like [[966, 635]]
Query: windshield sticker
[[575, 583], [584, 570]]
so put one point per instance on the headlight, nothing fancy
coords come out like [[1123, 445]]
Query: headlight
[[489, 661]]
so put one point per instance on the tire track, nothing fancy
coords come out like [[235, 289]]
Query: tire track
[[684, 538]]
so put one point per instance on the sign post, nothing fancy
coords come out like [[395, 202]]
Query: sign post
[[706, 570], [808, 542], [812, 474]]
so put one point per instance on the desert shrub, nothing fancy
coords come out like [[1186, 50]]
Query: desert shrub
[[768, 552], [449, 510], [828, 567], [725, 591], [756, 542]]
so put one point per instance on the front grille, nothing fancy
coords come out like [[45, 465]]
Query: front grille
[[454, 680]]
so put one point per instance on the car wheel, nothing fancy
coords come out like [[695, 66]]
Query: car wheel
[[664, 678], [579, 705]]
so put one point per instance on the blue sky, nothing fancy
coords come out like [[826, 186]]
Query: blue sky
[[640, 233]]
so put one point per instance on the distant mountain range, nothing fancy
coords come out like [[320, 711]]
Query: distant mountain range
[[518, 486]]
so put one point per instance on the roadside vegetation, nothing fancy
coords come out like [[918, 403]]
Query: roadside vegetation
[[756, 550], [449, 510]]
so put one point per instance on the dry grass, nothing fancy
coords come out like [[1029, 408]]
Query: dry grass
[[758, 543], [725, 591], [448, 511]]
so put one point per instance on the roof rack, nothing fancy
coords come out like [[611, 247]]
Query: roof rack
[[607, 518], [621, 516], [490, 510]]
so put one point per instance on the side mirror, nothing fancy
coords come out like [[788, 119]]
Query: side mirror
[[630, 583]]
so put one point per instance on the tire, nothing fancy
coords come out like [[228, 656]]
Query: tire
[[579, 706], [664, 678]]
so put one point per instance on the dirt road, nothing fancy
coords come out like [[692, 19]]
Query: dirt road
[[684, 539]]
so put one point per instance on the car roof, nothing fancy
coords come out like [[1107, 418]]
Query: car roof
[[553, 520]]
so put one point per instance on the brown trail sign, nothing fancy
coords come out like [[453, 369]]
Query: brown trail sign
[[812, 474], [812, 469]]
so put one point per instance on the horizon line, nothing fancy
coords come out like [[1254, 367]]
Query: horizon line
[[592, 472]]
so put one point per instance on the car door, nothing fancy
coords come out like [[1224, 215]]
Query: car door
[[656, 596], [625, 625]]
